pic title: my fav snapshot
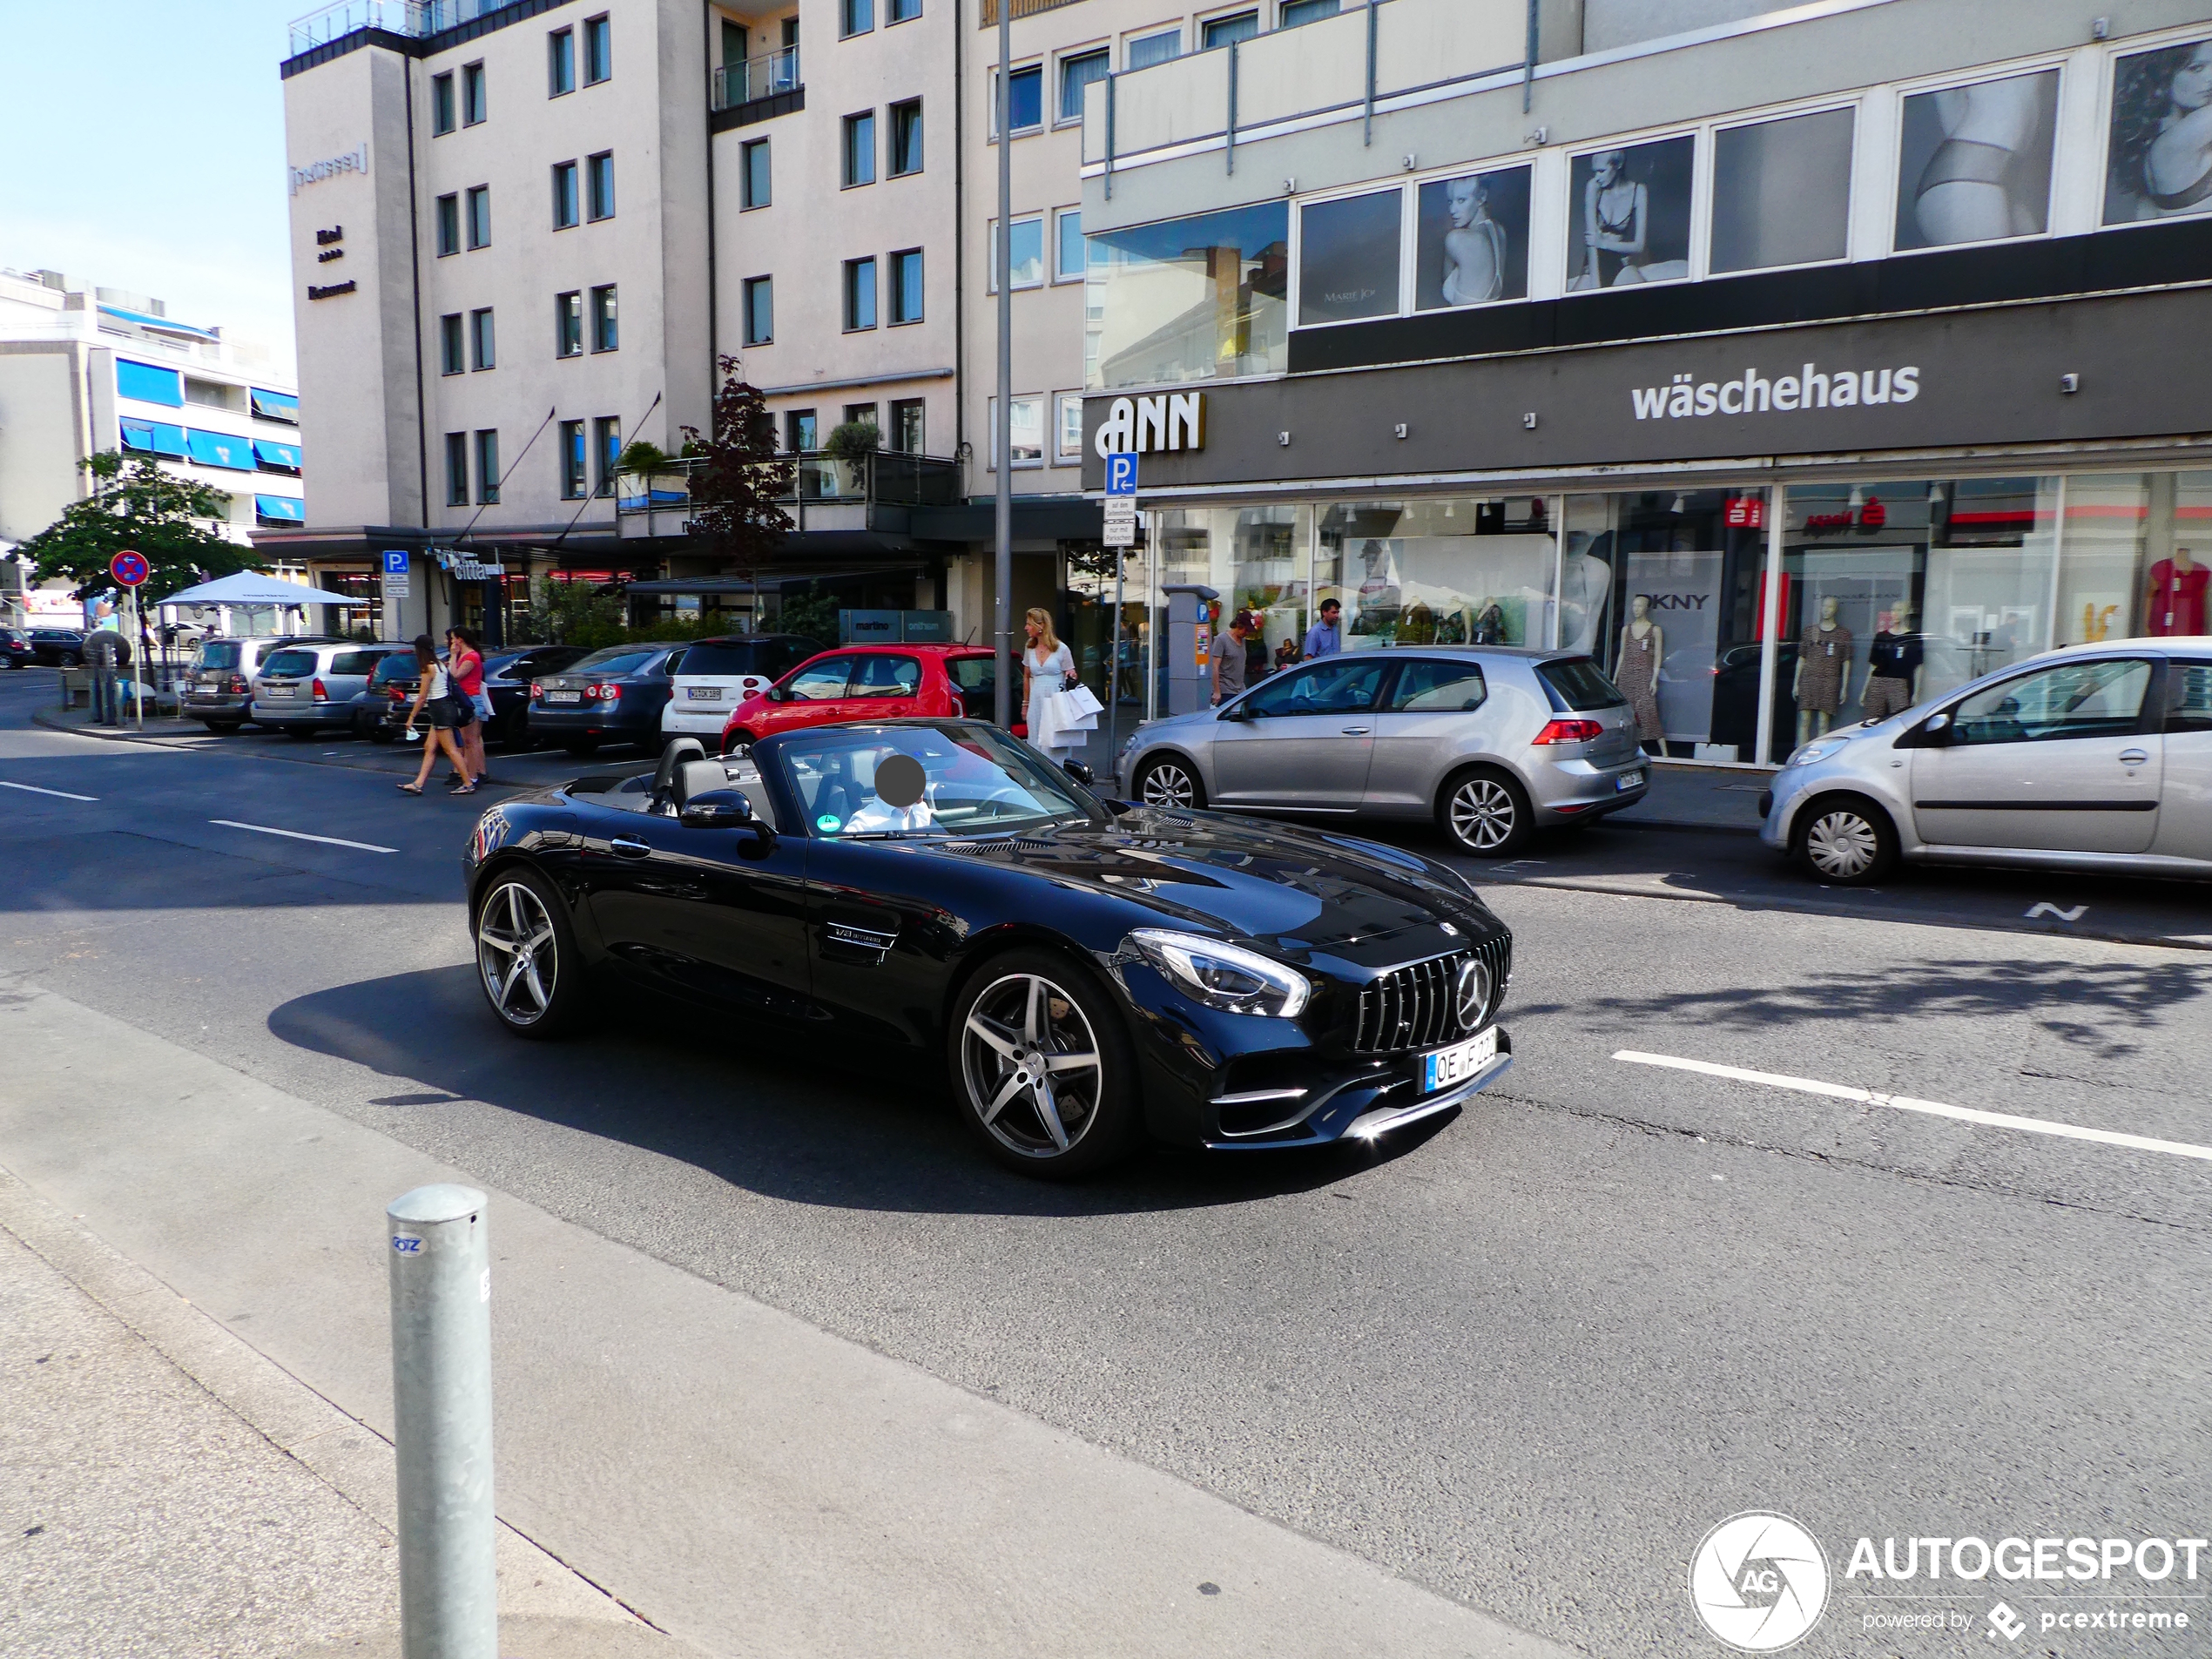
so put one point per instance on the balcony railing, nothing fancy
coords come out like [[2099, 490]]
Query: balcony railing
[[757, 77], [887, 478], [412, 18]]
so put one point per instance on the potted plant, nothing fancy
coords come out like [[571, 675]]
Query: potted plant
[[850, 445], [646, 462]]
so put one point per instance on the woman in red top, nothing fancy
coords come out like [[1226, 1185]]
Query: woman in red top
[[465, 667]]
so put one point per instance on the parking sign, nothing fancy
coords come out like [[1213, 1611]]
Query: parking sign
[[395, 573], [1121, 500], [1120, 476]]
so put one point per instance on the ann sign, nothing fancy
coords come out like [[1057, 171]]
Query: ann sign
[[1149, 425]]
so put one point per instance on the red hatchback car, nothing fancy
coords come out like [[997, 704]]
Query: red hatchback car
[[868, 682]]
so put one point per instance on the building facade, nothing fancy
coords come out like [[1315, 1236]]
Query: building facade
[[86, 369], [1786, 359]]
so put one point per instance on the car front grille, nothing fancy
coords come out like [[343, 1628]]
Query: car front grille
[[1415, 1007]]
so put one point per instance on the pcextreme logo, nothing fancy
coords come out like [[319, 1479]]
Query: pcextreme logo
[[1759, 1582]]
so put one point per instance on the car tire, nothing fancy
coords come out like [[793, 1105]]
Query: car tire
[[1845, 841], [580, 747], [1018, 1008], [382, 733], [527, 963], [224, 728], [1486, 812], [70, 659], [738, 741], [1171, 782]]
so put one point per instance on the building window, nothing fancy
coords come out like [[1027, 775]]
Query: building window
[[473, 106], [1227, 31], [859, 149], [908, 428], [1953, 190], [451, 359], [442, 111], [456, 468], [1027, 431], [606, 450], [798, 431], [480, 353], [568, 324], [859, 414], [902, 10], [1025, 98], [564, 195], [571, 460], [758, 181], [1068, 244], [1068, 429], [448, 225], [604, 335], [598, 50], [1297, 11], [1154, 48], [1025, 258], [1348, 259], [859, 295], [906, 137], [1077, 71], [560, 62], [855, 17], [1188, 300], [599, 179], [488, 468], [759, 310], [480, 216], [1802, 159], [905, 286]]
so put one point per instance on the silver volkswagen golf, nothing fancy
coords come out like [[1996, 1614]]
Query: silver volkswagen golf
[[1491, 742], [2090, 757]]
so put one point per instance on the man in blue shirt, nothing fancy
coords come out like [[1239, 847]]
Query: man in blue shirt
[[1326, 638]]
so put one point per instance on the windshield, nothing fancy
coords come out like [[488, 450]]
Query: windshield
[[617, 659], [921, 781], [219, 653], [1581, 683], [290, 662]]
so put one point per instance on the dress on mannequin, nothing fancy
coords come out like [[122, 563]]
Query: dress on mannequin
[[1893, 659], [1639, 680], [1823, 663], [2177, 597]]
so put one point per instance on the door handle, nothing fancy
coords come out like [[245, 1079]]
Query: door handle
[[2133, 758], [1356, 731], [632, 849]]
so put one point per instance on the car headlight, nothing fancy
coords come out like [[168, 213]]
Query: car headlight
[[1222, 976], [1813, 752]]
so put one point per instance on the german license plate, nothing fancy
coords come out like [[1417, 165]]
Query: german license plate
[[1629, 780], [1441, 1068], [279, 690], [703, 693], [564, 697]]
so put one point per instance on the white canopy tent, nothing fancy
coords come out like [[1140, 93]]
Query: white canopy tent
[[250, 589]]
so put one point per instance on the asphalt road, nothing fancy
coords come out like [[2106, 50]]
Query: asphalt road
[[1527, 1358]]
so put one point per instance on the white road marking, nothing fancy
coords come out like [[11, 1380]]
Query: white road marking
[[1933, 1109], [2046, 908], [59, 794], [294, 835]]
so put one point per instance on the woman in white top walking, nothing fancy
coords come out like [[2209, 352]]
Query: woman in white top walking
[[434, 702], [1047, 666]]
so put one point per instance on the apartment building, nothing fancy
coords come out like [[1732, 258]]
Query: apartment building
[[1787, 359], [85, 369]]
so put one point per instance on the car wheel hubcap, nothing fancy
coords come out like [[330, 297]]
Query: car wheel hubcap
[[1482, 814], [1032, 1067], [515, 953], [1841, 843], [1168, 786]]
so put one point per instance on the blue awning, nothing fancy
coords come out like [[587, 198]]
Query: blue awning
[[148, 384], [153, 438], [276, 405], [220, 449], [161, 325], [280, 509], [276, 458]]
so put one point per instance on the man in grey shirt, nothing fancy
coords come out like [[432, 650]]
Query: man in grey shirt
[[1229, 658], [1326, 637]]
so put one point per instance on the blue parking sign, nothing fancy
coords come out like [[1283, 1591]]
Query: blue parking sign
[[1121, 475], [395, 561]]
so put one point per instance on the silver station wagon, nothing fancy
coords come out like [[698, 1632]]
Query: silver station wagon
[[1492, 742], [2091, 758]]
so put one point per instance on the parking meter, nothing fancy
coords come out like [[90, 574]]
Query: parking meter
[[1190, 646]]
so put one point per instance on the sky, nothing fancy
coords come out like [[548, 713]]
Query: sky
[[146, 147]]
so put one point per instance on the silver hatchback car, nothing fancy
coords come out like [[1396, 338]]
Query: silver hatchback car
[[2091, 758], [1492, 742]]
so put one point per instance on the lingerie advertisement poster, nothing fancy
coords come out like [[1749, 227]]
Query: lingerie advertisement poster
[[1630, 217], [2161, 153], [1974, 162], [1472, 240]]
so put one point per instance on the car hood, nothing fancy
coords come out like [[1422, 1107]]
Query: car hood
[[1297, 892]]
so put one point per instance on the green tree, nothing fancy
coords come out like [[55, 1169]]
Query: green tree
[[135, 505]]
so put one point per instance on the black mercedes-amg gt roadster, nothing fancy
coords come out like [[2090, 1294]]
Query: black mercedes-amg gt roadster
[[1091, 971]]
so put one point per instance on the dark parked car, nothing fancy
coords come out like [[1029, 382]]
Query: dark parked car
[[391, 689], [612, 696], [58, 647], [508, 674], [16, 649], [1088, 973]]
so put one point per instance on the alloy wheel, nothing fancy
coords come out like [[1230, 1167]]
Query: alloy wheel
[[1842, 845], [516, 953], [1167, 784], [1482, 814], [1032, 1066]]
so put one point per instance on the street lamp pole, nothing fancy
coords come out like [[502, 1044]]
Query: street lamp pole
[[1002, 426]]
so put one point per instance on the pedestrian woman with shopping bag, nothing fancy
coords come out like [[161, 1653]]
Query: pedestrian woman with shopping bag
[[435, 706], [1047, 667]]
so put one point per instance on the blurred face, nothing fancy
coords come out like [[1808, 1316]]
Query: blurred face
[[2192, 81], [1331, 611]]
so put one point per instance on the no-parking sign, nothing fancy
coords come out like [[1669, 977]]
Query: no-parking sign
[[129, 568]]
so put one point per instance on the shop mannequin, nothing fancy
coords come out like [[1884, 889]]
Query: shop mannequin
[[1824, 670], [1893, 668], [1643, 648], [2175, 602]]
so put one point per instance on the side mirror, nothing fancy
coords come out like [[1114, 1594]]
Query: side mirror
[[1080, 772], [1233, 712], [723, 809], [777, 694]]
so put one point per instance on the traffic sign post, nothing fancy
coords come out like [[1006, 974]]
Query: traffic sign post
[[130, 569], [1121, 500]]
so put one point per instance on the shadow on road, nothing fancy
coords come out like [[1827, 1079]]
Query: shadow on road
[[752, 1110]]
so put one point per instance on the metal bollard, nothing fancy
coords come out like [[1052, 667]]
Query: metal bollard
[[441, 1273]]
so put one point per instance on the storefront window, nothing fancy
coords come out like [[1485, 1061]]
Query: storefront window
[[2135, 557], [1190, 299], [1257, 559], [1091, 627], [1443, 572]]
